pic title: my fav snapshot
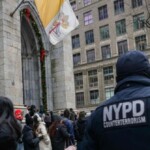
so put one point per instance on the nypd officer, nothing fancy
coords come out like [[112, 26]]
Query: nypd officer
[[123, 121]]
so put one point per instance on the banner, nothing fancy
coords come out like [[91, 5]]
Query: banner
[[57, 17]]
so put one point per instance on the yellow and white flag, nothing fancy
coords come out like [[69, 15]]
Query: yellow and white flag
[[57, 17]]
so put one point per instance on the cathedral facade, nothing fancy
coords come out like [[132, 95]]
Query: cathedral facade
[[32, 70]]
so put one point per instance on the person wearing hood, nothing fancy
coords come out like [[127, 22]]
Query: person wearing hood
[[80, 125], [40, 130], [123, 121], [30, 140]]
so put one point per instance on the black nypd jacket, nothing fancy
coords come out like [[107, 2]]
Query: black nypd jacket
[[122, 122]]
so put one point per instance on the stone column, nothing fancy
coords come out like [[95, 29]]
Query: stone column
[[10, 53], [62, 75]]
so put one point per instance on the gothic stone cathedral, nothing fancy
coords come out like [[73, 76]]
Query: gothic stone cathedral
[[32, 71]]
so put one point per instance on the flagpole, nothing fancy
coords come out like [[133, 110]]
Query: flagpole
[[11, 14]]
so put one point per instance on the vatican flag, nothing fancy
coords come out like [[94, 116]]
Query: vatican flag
[[57, 17]]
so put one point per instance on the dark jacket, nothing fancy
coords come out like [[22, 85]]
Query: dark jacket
[[31, 142], [58, 141], [122, 122], [80, 129], [69, 124], [8, 140]]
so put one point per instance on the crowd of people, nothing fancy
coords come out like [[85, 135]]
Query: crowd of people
[[43, 131], [120, 123]]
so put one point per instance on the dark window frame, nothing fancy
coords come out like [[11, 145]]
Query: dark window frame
[[80, 99], [141, 42], [104, 32], [121, 27], [119, 7], [122, 47], [90, 55], [103, 12], [89, 37], [76, 59], [106, 52], [75, 41], [137, 3]]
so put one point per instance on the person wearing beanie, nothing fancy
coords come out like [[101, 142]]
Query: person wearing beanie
[[19, 114], [123, 121], [19, 117]]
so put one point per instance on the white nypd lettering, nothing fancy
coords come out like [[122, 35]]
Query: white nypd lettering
[[107, 113], [141, 110], [124, 113], [126, 108], [117, 109]]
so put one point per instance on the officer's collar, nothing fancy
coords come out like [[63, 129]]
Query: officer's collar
[[129, 81]]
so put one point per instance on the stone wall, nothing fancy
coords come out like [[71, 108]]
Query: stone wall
[[10, 53]]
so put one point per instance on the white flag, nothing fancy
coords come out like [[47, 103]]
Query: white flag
[[57, 17]]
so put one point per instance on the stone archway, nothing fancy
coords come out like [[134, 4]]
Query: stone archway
[[30, 65], [32, 90]]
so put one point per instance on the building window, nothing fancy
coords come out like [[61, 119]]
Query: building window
[[122, 47], [88, 18], [78, 81], [75, 41], [103, 14], [76, 59], [140, 42], [89, 36], [94, 97], [80, 99], [106, 52], [138, 21], [93, 80], [73, 5], [119, 6], [137, 3], [120, 27], [109, 92], [108, 75], [90, 55], [104, 32], [86, 2]]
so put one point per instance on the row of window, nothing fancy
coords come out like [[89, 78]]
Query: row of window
[[93, 96], [138, 22], [103, 11], [140, 42], [85, 3], [93, 82], [93, 78]]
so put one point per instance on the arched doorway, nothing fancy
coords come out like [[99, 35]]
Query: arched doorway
[[30, 65], [32, 72]]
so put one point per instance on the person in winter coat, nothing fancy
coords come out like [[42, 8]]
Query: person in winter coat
[[40, 130], [19, 117], [10, 130], [31, 142], [123, 121], [70, 128], [80, 126], [58, 133]]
